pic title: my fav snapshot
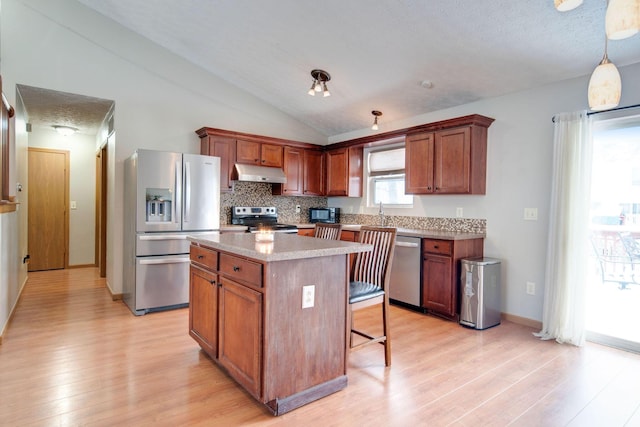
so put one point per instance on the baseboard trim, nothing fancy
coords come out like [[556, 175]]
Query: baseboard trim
[[535, 324], [114, 297], [82, 265], [13, 310]]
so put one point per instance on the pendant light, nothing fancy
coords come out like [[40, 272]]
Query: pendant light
[[319, 84], [622, 19], [376, 114], [605, 86], [565, 5]]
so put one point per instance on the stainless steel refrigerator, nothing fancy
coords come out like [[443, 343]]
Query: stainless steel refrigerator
[[167, 196]]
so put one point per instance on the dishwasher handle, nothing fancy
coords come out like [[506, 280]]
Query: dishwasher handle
[[407, 245]]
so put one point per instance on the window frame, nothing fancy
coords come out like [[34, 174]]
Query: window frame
[[372, 177]]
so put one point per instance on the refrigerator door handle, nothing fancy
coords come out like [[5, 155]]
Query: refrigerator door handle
[[164, 261], [178, 191], [187, 191], [165, 237]]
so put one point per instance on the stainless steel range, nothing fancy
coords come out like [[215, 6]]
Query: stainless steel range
[[260, 218]]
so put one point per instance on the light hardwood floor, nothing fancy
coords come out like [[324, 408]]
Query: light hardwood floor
[[71, 356]]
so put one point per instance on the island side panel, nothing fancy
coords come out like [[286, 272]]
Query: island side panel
[[304, 347]]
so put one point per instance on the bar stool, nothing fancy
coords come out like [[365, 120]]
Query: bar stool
[[369, 283], [327, 231]]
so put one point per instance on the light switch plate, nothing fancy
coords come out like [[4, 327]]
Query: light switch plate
[[308, 296], [458, 212], [531, 214], [74, 205]]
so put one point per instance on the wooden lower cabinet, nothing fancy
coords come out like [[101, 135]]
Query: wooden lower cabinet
[[253, 325], [240, 338], [203, 297], [306, 232], [441, 273]]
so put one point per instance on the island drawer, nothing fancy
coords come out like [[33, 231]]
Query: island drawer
[[440, 247], [241, 269], [204, 256]]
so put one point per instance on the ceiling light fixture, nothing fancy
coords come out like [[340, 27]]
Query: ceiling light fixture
[[605, 86], [320, 79], [376, 114], [565, 5], [65, 130], [622, 20]]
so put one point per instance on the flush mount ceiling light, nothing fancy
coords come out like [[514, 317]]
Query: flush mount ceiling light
[[622, 20], [320, 79], [376, 114], [65, 130]]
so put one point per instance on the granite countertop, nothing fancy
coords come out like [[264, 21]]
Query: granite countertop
[[284, 247], [410, 232]]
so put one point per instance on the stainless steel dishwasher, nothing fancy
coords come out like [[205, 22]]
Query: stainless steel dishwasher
[[405, 272]]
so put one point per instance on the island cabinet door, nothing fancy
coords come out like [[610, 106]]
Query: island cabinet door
[[240, 334], [203, 312]]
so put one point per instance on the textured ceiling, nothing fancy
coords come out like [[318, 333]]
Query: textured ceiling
[[377, 52], [47, 108]]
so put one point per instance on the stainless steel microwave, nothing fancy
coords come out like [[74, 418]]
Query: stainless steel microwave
[[328, 215]]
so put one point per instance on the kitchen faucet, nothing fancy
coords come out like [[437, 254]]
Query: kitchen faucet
[[381, 215]]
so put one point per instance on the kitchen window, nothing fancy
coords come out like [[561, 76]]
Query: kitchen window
[[385, 169]]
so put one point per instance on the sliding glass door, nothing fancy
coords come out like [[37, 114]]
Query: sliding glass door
[[613, 279]]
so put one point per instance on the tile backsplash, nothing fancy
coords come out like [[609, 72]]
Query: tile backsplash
[[259, 194]]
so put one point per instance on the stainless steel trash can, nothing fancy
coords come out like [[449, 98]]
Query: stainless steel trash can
[[480, 293]]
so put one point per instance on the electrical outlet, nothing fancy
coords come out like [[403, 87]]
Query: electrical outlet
[[458, 212], [531, 288], [308, 296], [531, 214], [74, 205], [297, 208]]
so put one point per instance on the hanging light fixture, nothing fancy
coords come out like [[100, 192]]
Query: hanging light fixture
[[622, 19], [376, 114], [65, 130], [320, 79], [565, 5], [605, 86]]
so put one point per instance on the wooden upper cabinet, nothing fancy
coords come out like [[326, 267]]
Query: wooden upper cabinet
[[344, 172], [257, 153], [448, 161], [225, 148], [313, 173], [293, 169], [419, 163]]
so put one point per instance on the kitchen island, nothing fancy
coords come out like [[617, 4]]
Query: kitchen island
[[273, 314]]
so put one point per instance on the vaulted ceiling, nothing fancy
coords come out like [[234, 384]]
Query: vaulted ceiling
[[377, 52]]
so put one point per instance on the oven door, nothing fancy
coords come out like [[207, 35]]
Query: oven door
[[162, 282]]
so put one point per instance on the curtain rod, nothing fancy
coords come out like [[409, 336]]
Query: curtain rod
[[553, 119], [613, 109]]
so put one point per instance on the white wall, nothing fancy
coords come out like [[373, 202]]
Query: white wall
[[82, 186], [160, 100], [519, 162]]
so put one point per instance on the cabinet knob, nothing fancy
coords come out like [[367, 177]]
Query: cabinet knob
[[428, 188], [213, 282], [436, 247], [236, 268], [200, 256]]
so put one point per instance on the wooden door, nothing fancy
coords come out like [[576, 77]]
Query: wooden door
[[293, 170], [48, 222], [248, 152], [271, 155]]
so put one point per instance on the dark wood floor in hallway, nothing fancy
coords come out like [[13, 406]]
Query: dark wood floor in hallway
[[72, 356]]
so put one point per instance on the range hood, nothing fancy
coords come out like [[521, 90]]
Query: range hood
[[255, 173]]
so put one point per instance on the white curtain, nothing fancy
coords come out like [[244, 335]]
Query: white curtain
[[565, 288]]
